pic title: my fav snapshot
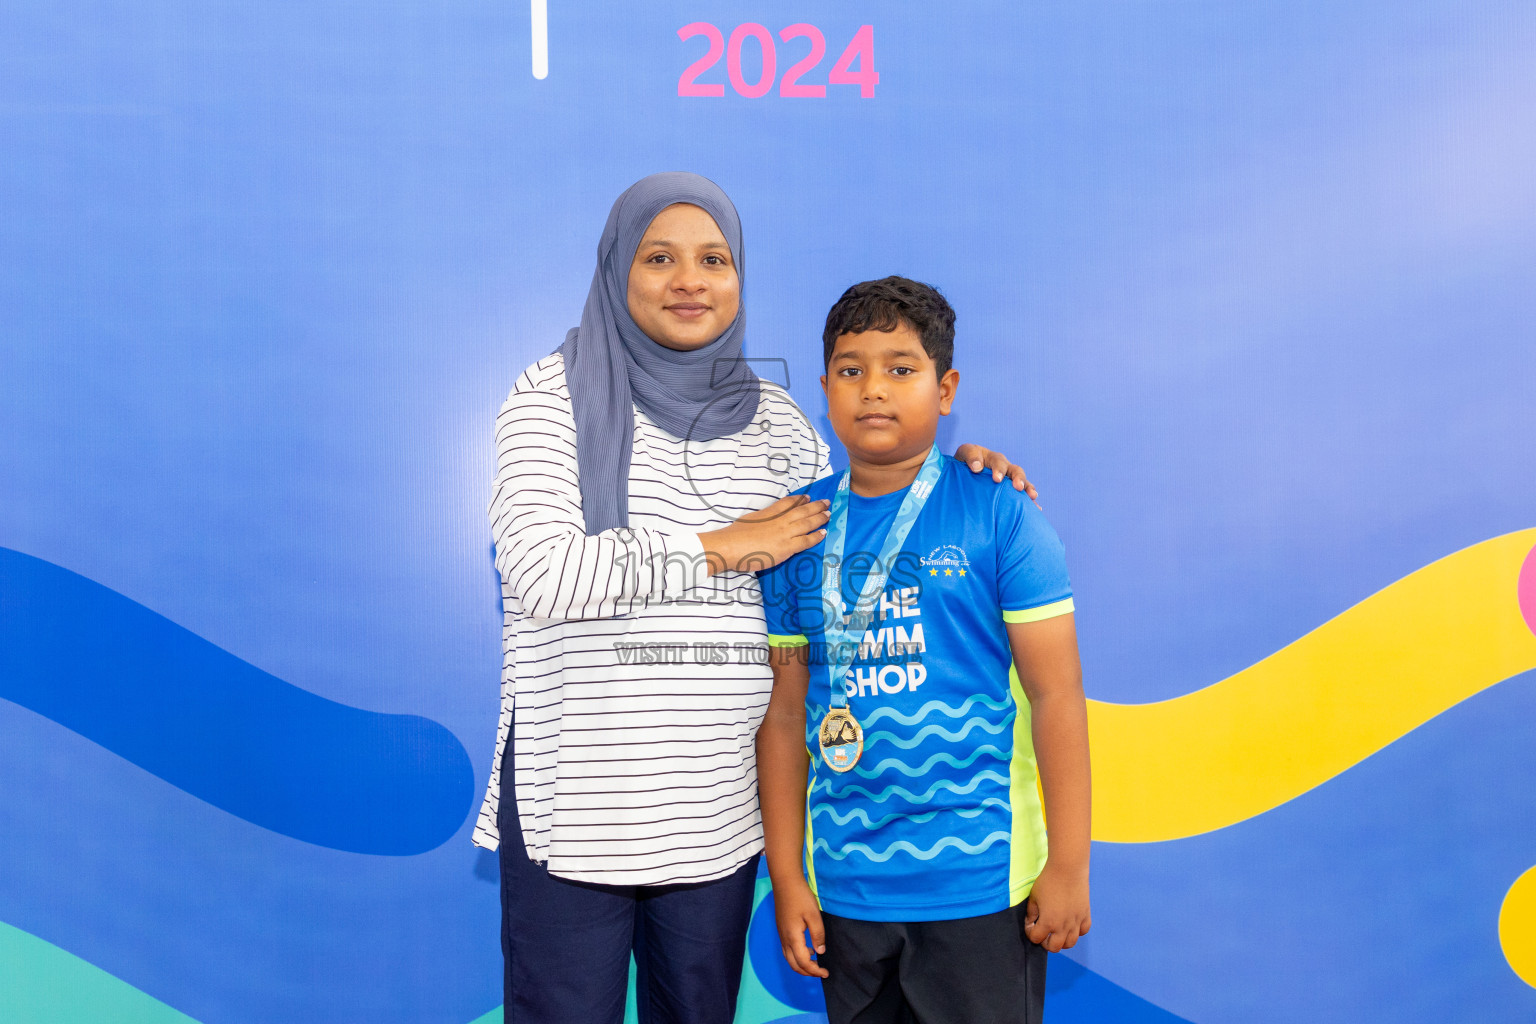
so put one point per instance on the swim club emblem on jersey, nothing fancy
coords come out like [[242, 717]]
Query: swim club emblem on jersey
[[842, 740], [946, 560]]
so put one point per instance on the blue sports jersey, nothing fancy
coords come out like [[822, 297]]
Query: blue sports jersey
[[941, 817]]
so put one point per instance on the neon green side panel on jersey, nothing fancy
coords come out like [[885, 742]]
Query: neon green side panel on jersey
[[1027, 843], [810, 846], [778, 640]]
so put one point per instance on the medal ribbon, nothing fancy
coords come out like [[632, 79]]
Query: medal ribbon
[[843, 632]]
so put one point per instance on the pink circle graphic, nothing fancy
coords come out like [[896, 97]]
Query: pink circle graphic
[[1526, 590]]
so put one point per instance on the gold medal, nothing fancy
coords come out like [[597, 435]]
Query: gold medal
[[842, 740]]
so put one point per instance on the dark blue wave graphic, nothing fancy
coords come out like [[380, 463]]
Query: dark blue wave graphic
[[224, 731], [1076, 995]]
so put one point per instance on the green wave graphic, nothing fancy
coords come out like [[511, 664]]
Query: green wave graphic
[[43, 984]]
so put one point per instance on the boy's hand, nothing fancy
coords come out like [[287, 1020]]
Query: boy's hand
[[979, 458], [796, 909], [1057, 914]]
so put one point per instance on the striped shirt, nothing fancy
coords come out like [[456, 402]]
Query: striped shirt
[[638, 680]]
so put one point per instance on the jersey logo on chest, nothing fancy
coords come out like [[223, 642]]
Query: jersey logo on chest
[[946, 561]]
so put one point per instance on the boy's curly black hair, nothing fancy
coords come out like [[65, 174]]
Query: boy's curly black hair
[[884, 305]]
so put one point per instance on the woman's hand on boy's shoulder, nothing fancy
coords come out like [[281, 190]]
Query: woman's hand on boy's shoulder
[[1057, 914], [979, 458], [761, 540], [797, 912]]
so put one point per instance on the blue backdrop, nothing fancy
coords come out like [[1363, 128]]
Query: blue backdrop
[[1247, 288]]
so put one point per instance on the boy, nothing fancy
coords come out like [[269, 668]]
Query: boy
[[924, 653]]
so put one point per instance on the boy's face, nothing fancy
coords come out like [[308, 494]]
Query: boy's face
[[884, 397]]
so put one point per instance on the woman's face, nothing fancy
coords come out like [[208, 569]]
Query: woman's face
[[683, 288]]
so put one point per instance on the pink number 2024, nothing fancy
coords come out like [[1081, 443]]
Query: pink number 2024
[[860, 49]]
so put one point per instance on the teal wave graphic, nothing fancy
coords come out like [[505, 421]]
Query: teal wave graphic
[[880, 714], [923, 769], [902, 846], [828, 811], [41, 982], [917, 798], [870, 739]]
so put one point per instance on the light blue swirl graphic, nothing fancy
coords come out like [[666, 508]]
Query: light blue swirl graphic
[[880, 714], [902, 846], [870, 739], [828, 811], [917, 798]]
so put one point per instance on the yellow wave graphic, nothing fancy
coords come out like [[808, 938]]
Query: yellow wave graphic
[[1316, 707], [1517, 927]]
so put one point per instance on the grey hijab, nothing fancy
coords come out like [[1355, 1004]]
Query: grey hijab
[[611, 365]]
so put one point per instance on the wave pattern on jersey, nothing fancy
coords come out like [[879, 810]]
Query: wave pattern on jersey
[[935, 707], [859, 814], [947, 759], [995, 728], [903, 846]]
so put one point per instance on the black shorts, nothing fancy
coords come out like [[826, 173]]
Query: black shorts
[[976, 970]]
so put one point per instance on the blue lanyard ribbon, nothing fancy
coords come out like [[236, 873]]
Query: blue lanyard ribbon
[[843, 632]]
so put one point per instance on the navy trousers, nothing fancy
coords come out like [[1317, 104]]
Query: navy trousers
[[567, 944]]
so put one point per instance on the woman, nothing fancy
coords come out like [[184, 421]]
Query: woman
[[642, 473]]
